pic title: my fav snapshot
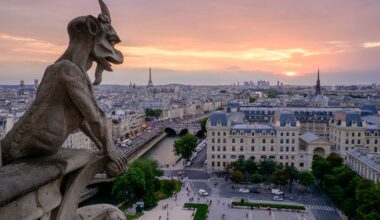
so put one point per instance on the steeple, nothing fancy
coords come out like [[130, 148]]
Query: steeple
[[150, 83], [318, 86]]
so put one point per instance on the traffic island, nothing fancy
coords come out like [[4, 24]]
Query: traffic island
[[284, 207]]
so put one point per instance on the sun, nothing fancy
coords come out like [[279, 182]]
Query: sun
[[290, 73]]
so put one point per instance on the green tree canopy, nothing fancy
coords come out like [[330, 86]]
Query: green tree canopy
[[280, 177], [239, 164], [267, 167], [320, 167], [156, 113], [130, 186], [334, 160], [306, 178], [203, 123], [236, 176], [292, 172], [251, 166], [185, 145], [256, 178]]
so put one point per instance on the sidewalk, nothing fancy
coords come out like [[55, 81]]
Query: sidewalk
[[174, 211]]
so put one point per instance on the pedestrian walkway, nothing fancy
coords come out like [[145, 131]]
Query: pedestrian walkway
[[321, 207], [198, 180]]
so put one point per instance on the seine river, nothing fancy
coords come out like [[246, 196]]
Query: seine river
[[163, 152]]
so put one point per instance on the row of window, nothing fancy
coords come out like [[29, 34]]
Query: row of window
[[224, 164], [264, 141], [263, 148], [281, 157]]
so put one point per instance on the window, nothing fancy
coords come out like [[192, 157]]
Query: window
[[272, 141], [253, 148], [218, 156], [281, 141], [212, 156], [367, 141], [263, 148], [218, 148], [224, 164], [358, 141], [218, 163], [280, 157], [233, 156], [253, 141], [218, 141], [241, 156], [213, 164], [292, 164], [293, 141], [224, 148], [241, 140], [224, 140], [346, 141], [375, 149], [293, 149], [212, 133], [287, 141], [212, 140], [281, 149], [224, 156], [287, 134], [293, 134], [241, 148], [233, 140], [264, 141], [271, 148], [301, 164], [213, 148], [287, 149], [375, 141], [352, 141]]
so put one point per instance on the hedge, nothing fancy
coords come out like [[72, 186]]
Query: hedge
[[201, 210], [269, 205]]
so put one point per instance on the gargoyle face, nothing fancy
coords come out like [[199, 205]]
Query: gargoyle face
[[104, 52]]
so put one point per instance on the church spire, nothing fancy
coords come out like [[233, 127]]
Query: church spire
[[318, 86]]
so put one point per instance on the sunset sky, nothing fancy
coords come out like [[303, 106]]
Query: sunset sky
[[205, 41]]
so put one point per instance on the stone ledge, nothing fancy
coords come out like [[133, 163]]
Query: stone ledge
[[28, 175]]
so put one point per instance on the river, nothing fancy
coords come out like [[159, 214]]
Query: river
[[163, 152]]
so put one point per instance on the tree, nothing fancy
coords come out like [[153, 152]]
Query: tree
[[306, 178], [252, 99], [236, 176], [272, 93], [151, 172], [292, 173], [320, 167], [280, 177], [156, 113], [239, 165], [334, 160], [267, 167], [251, 166], [185, 145], [203, 123], [257, 178], [130, 186]]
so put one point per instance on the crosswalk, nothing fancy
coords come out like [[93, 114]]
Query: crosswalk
[[198, 180], [321, 207]]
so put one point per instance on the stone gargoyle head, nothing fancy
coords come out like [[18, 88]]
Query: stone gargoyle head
[[104, 38]]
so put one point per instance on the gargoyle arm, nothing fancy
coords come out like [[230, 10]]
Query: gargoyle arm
[[94, 119]]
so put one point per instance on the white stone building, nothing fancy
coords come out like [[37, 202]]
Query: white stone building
[[230, 137], [365, 164]]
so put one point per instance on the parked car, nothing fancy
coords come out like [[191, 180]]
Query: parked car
[[277, 198], [277, 192], [205, 161], [254, 190], [242, 190], [202, 192], [188, 163]]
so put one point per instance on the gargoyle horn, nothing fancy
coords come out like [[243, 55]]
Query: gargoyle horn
[[105, 12]]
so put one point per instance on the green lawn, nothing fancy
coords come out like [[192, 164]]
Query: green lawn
[[201, 210], [269, 205]]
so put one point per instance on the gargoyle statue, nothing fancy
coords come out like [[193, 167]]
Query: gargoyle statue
[[65, 100]]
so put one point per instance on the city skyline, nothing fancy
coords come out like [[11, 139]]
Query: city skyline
[[195, 42]]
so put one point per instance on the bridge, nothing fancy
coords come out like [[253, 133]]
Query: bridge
[[139, 148]]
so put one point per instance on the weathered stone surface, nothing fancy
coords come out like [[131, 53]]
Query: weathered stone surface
[[65, 100], [100, 212], [20, 178]]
